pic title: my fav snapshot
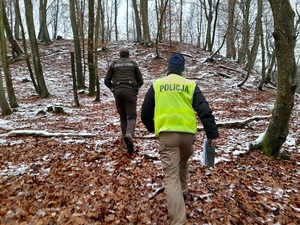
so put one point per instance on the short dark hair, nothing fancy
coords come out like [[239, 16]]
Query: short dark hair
[[124, 52]]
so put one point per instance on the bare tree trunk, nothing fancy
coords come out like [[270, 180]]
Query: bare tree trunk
[[55, 18], [42, 88], [109, 23], [170, 24], [159, 29], [285, 41], [145, 22], [137, 22], [77, 46], [160, 23], [18, 14], [17, 24], [80, 9], [258, 30], [5, 109], [76, 100], [91, 48], [43, 33], [127, 20], [3, 102], [215, 24], [16, 49], [102, 17], [8, 80], [199, 26], [31, 74], [97, 29], [230, 50], [257, 35], [209, 17], [263, 53], [116, 20], [180, 21], [245, 7], [270, 69]]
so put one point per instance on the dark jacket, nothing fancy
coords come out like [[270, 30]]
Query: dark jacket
[[123, 72], [199, 104]]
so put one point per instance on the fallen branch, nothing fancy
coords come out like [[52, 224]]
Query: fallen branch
[[241, 123], [210, 58], [197, 78], [232, 69], [223, 74], [210, 73], [157, 191], [184, 54], [42, 133], [229, 124]]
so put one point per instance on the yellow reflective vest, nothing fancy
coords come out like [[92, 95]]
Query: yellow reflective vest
[[173, 105]]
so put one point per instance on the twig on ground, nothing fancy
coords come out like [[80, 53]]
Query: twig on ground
[[157, 191]]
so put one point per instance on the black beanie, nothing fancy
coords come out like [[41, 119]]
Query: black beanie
[[176, 63]]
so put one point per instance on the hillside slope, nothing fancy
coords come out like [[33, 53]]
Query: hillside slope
[[79, 173]]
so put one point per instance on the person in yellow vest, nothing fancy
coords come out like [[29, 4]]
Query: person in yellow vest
[[168, 110]]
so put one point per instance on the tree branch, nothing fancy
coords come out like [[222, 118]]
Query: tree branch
[[157, 191], [241, 123], [229, 124], [42, 133], [232, 69], [210, 58]]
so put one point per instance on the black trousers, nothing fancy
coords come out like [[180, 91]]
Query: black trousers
[[126, 101]]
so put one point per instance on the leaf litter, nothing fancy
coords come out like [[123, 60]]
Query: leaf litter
[[52, 178]]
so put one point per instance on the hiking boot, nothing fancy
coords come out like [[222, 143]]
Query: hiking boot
[[129, 143]]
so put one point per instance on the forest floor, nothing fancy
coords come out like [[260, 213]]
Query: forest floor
[[72, 168]]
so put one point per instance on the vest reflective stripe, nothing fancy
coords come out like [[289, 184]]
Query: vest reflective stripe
[[173, 105]]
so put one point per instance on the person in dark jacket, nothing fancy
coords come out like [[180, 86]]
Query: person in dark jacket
[[169, 110], [124, 79]]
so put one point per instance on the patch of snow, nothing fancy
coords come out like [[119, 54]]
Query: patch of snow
[[14, 170]]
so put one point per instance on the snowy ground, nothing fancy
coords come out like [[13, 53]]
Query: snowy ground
[[80, 173]]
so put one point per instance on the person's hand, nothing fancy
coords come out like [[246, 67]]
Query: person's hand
[[213, 142], [136, 89]]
